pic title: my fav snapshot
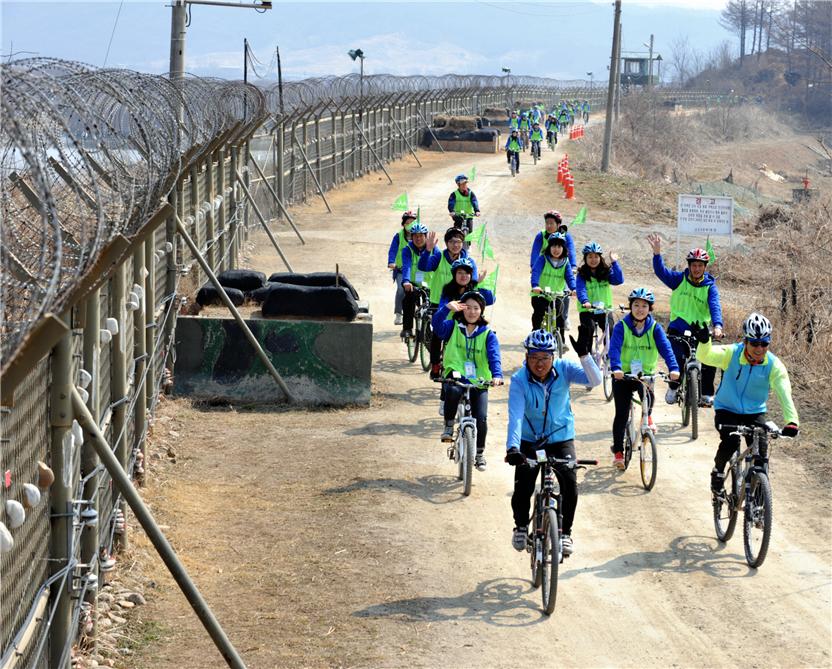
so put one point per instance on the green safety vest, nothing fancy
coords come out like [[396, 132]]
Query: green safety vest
[[402, 244], [639, 348], [462, 203], [514, 145], [597, 291], [440, 276], [690, 303], [537, 135], [553, 278], [524, 124], [514, 123], [461, 348], [414, 270]]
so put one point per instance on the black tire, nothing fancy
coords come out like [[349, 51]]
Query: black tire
[[559, 341], [757, 520], [683, 400], [648, 460], [469, 450], [693, 403], [628, 446], [414, 342], [607, 379], [425, 337], [551, 561], [725, 508], [534, 155], [537, 571]]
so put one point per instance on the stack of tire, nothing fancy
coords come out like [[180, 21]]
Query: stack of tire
[[468, 129], [287, 294]]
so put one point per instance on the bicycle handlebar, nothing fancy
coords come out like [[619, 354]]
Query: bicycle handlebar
[[467, 383], [569, 463], [769, 428]]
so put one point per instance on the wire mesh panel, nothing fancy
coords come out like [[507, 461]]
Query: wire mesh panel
[[26, 438]]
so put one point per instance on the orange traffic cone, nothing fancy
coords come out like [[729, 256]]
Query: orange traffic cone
[[566, 177], [570, 188], [560, 174]]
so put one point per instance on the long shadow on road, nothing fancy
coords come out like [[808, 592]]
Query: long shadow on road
[[502, 602], [434, 488], [684, 555]]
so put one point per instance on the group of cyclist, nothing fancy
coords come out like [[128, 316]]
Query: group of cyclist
[[540, 413], [529, 129]]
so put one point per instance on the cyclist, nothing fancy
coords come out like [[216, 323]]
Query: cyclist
[[535, 138], [750, 372], [552, 129], [394, 262], [636, 343], [695, 299], [462, 202], [462, 281], [524, 127], [514, 121], [514, 145], [440, 264], [551, 271], [411, 254], [540, 418], [535, 114], [472, 350], [552, 222], [585, 108], [593, 285]]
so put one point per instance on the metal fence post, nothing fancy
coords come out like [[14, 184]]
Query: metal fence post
[[60, 495], [118, 380], [140, 352], [234, 240], [210, 228], [151, 329], [222, 231], [171, 274], [281, 168]]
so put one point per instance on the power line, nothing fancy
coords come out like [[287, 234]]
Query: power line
[[113, 33]]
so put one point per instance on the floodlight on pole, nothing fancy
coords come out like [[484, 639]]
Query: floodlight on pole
[[590, 75], [358, 54]]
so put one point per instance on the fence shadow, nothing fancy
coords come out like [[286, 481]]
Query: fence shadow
[[501, 602], [684, 555], [425, 427], [433, 488], [613, 481]]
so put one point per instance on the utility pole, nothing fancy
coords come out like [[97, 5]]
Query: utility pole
[[618, 74], [614, 60], [650, 67]]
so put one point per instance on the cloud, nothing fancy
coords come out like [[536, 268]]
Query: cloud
[[706, 5]]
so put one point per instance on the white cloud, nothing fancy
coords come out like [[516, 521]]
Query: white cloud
[[707, 5]]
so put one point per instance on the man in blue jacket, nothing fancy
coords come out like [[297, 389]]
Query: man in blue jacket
[[540, 418], [695, 299]]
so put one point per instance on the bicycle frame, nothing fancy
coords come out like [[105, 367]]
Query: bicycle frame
[[692, 363], [647, 381], [750, 456]]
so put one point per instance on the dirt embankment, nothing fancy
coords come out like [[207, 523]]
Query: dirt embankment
[[340, 538]]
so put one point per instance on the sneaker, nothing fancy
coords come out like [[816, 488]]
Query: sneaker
[[518, 538], [618, 460], [435, 372], [441, 407], [707, 401], [717, 482], [651, 425], [398, 320], [448, 432], [670, 395], [567, 545], [479, 463], [406, 334]]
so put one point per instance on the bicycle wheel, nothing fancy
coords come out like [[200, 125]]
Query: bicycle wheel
[[682, 397], [648, 459], [757, 525], [466, 464], [534, 155], [537, 546], [725, 508], [413, 343], [628, 443], [551, 561], [607, 378], [693, 402], [559, 341], [425, 336]]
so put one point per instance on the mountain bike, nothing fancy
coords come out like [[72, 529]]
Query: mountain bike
[[514, 162], [747, 487], [463, 450], [535, 151], [552, 139], [524, 138], [638, 435], [425, 313], [415, 342], [689, 394], [555, 309], [600, 346], [544, 540]]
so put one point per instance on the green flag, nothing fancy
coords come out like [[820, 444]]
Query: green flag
[[401, 203], [487, 251], [490, 280], [418, 214], [710, 249], [473, 173], [476, 234], [580, 218]]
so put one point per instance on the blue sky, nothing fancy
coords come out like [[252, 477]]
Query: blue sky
[[556, 39]]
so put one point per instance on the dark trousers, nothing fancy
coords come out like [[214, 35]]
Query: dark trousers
[[622, 394], [680, 350], [510, 155], [479, 409], [730, 443], [408, 309], [588, 323], [435, 350], [526, 477], [539, 307]]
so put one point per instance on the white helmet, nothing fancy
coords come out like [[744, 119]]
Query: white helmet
[[757, 326]]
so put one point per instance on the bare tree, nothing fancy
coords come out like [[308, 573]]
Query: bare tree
[[680, 58], [735, 18]]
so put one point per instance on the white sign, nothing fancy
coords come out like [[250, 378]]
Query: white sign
[[704, 216]]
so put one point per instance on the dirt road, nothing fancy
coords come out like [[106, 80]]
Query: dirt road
[[340, 538]]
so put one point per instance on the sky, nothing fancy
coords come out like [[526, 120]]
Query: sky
[[563, 40]]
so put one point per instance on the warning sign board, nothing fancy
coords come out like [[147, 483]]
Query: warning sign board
[[704, 216]]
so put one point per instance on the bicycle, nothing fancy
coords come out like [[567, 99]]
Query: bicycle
[[463, 450], [689, 393], [415, 342], [524, 138], [754, 498], [550, 319], [426, 312], [600, 346], [535, 151], [639, 435], [514, 162], [552, 139], [543, 542]]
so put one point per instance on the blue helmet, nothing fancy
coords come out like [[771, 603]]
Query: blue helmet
[[556, 238], [461, 177], [418, 228], [465, 263], [592, 247], [540, 340], [642, 294]]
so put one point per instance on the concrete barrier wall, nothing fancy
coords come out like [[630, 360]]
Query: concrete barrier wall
[[322, 362]]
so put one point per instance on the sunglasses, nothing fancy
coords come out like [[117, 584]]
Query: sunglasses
[[757, 342]]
